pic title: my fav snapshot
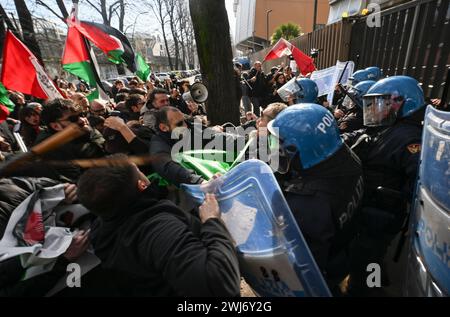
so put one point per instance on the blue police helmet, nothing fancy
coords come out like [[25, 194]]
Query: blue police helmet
[[308, 90], [307, 129], [374, 73], [391, 98], [359, 76], [357, 92]]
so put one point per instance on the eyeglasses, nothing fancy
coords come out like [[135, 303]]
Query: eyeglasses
[[73, 118]]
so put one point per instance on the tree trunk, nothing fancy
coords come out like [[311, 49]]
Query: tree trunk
[[4, 18], [167, 48], [121, 15], [104, 13], [2, 36], [26, 22], [170, 6], [120, 67], [212, 35]]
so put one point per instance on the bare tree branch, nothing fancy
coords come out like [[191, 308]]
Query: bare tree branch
[[41, 3], [95, 7], [112, 9], [157, 6]]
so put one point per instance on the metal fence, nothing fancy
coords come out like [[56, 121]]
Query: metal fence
[[333, 41], [413, 39]]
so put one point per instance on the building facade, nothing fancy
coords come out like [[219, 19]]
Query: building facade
[[256, 20], [340, 8]]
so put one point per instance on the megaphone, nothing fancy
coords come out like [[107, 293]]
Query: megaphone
[[199, 92]]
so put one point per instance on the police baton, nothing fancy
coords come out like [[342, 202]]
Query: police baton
[[112, 161], [70, 133], [343, 72]]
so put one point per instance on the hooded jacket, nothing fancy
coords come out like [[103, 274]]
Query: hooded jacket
[[155, 249]]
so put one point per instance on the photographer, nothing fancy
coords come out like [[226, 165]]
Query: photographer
[[257, 81]]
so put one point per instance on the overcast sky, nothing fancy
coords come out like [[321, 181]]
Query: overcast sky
[[145, 22]]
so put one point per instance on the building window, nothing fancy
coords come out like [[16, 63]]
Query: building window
[[338, 8]]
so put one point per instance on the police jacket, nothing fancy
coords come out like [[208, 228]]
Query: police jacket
[[390, 157], [324, 200], [153, 248]]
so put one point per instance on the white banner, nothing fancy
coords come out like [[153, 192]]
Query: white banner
[[326, 79], [44, 81]]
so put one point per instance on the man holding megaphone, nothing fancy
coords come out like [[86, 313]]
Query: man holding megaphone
[[197, 94]]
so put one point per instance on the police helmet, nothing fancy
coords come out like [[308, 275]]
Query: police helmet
[[370, 73], [308, 90], [308, 130], [356, 94], [359, 76], [374, 73], [391, 98]]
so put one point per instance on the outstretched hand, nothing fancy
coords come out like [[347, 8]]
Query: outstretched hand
[[209, 208]]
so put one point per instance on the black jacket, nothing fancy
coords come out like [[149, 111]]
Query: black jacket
[[155, 249], [87, 146], [7, 134], [351, 121], [259, 88], [324, 200], [161, 147]]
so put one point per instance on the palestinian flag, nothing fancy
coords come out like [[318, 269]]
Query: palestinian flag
[[283, 48], [142, 68], [111, 41], [76, 60], [6, 105], [21, 71]]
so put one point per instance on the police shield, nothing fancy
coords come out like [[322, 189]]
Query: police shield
[[429, 261], [274, 257]]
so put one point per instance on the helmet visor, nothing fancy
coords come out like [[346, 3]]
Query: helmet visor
[[379, 110]]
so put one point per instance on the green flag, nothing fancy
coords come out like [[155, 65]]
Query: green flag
[[142, 68], [6, 105], [76, 60]]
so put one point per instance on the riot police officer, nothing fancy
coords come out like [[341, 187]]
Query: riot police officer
[[308, 91], [370, 73], [350, 115], [322, 182], [393, 111]]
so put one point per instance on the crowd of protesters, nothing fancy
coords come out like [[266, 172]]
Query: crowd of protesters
[[147, 244]]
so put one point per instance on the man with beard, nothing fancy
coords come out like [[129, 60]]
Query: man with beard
[[169, 122]]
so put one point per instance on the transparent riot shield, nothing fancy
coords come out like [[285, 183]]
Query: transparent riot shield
[[429, 253], [274, 257]]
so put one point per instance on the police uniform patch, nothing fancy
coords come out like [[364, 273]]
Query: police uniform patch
[[414, 148]]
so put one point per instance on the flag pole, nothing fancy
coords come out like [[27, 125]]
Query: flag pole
[[92, 58]]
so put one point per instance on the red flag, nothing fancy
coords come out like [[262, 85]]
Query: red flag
[[284, 48], [21, 71]]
